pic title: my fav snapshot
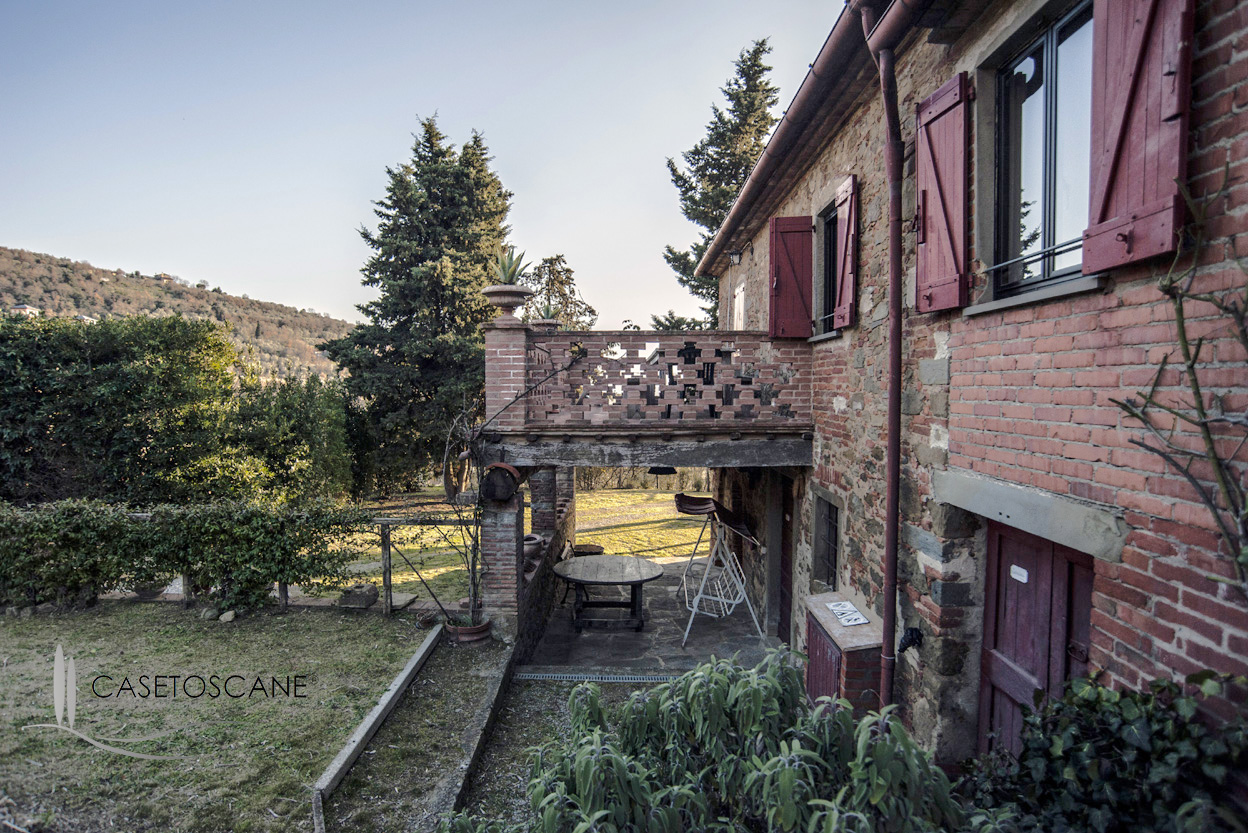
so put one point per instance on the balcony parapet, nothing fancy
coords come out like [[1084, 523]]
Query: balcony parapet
[[628, 381]]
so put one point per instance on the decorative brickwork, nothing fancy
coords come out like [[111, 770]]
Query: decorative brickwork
[[632, 379]]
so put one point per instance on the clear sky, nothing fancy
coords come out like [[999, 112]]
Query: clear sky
[[243, 143]]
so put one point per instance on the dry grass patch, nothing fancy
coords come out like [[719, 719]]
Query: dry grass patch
[[251, 759]]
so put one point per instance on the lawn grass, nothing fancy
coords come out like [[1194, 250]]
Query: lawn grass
[[639, 522], [251, 760]]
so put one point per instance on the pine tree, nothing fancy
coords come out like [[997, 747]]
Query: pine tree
[[718, 165], [671, 322], [419, 360], [555, 289]]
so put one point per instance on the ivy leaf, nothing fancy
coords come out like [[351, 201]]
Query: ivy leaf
[[1137, 734], [1211, 687]]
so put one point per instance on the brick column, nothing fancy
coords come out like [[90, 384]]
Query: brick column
[[565, 499], [505, 343], [542, 497], [502, 542]]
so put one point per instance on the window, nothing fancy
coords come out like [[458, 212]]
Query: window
[[1044, 127], [835, 275], [826, 290], [738, 307], [827, 542]]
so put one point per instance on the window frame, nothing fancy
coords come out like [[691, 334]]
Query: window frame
[[1043, 31], [825, 275], [822, 568]]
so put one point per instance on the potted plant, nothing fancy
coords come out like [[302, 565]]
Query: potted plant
[[464, 536], [508, 293], [547, 317]]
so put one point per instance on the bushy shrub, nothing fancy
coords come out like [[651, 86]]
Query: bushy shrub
[[146, 410], [726, 748], [1110, 761], [66, 552], [233, 553]]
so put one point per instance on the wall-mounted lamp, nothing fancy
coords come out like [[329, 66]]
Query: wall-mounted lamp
[[734, 258]]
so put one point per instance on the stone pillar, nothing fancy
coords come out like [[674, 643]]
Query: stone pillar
[[502, 543], [542, 489], [505, 345], [565, 499]]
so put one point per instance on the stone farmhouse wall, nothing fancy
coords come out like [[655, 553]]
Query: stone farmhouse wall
[[1023, 396]]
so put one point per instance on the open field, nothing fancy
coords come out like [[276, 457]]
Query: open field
[[249, 760], [639, 522]]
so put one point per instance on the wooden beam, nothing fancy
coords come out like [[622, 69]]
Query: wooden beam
[[758, 450]]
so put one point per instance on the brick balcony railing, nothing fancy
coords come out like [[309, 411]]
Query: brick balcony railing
[[716, 381]]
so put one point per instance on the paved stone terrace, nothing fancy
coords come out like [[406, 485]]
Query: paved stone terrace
[[656, 649]]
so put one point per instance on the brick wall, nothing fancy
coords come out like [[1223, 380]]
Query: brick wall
[[504, 373], [1032, 393]]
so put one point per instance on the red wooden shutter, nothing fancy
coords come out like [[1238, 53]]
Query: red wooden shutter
[[845, 311], [791, 276], [1140, 93], [941, 147]]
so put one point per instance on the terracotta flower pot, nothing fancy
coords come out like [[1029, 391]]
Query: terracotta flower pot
[[464, 634]]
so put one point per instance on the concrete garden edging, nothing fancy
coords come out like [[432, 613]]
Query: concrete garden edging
[[355, 745], [449, 795]]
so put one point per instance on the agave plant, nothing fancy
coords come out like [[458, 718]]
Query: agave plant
[[548, 312], [509, 267]]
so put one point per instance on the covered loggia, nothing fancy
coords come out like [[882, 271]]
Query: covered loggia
[[643, 530]]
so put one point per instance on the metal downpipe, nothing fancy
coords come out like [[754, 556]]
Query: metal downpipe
[[894, 157]]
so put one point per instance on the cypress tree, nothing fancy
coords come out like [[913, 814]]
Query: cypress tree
[[419, 360], [717, 166]]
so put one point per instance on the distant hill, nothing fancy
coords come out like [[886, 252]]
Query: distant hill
[[281, 340]]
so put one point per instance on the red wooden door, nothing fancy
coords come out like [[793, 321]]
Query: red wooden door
[[784, 630], [1037, 613]]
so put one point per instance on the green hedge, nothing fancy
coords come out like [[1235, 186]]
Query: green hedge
[[69, 552]]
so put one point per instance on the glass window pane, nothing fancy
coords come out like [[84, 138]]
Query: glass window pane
[[829, 271], [1024, 169], [1073, 133]]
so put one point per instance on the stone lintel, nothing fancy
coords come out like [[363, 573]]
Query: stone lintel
[[1081, 526]]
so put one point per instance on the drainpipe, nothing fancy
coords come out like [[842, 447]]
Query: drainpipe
[[893, 154]]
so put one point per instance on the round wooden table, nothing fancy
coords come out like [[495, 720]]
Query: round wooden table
[[621, 570]]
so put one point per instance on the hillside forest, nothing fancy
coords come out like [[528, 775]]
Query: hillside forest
[[280, 340]]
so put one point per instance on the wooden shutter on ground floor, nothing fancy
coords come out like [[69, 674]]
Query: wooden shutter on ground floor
[[845, 311], [791, 274], [942, 144], [1140, 95]]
